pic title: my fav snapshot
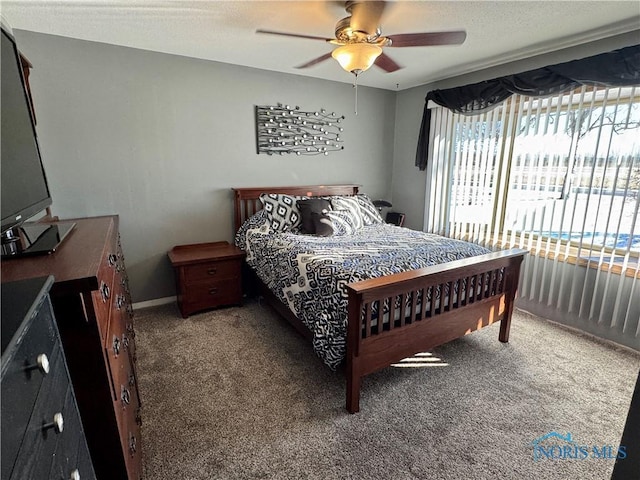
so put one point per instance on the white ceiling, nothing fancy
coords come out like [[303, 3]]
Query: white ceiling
[[224, 31]]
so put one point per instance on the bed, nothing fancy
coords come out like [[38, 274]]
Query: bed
[[413, 302]]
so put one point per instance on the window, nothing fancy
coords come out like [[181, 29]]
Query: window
[[559, 176]]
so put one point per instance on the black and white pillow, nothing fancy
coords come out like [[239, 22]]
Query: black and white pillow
[[282, 211], [368, 211], [351, 206], [341, 222]]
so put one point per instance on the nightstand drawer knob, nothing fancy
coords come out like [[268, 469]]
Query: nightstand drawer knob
[[212, 271], [75, 475], [213, 291], [42, 364], [57, 424]]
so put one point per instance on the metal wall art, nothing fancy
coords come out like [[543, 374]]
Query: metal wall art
[[283, 129]]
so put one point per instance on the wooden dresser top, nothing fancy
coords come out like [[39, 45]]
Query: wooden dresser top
[[75, 263]]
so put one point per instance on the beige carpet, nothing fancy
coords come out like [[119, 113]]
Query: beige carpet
[[238, 394]]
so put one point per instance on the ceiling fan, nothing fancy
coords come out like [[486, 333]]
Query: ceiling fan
[[360, 40]]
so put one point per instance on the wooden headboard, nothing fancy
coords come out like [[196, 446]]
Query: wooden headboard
[[246, 201]]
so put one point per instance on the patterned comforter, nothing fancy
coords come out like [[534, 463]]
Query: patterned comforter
[[309, 273]]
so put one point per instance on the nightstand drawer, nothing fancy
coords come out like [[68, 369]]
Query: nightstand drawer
[[204, 272], [212, 294]]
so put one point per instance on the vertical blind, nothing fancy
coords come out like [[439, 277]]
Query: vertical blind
[[558, 176]]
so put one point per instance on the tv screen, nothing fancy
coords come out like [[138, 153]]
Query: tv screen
[[24, 185]]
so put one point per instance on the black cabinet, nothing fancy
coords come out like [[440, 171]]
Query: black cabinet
[[42, 435]]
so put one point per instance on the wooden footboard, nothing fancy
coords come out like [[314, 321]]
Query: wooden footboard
[[397, 316]]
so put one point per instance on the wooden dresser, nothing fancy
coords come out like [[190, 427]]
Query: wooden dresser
[[42, 436], [93, 310]]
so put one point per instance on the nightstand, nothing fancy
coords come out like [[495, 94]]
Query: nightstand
[[208, 275]]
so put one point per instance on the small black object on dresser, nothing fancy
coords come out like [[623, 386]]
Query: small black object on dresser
[[42, 435]]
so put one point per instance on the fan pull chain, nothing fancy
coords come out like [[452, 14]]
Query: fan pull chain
[[355, 85]]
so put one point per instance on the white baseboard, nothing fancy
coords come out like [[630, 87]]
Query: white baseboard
[[154, 303]]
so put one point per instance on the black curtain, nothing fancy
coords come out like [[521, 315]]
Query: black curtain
[[613, 69]]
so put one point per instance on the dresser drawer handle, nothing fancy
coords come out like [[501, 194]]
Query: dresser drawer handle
[[116, 345], [57, 424], [132, 444], [132, 380], [112, 259], [212, 271], [75, 475], [130, 330], [138, 416], [119, 301], [104, 291], [213, 291], [125, 395], [42, 364], [125, 342]]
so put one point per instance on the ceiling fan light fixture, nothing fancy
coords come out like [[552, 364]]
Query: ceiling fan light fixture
[[356, 57]]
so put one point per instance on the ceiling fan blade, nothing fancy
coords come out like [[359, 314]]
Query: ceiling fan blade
[[427, 39], [310, 37], [315, 61], [365, 16], [386, 63]]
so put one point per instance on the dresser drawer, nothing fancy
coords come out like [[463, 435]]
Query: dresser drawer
[[104, 297], [83, 463], [22, 379], [211, 271], [40, 439], [117, 348], [131, 441], [66, 452]]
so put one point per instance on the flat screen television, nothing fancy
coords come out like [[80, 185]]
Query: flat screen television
[[25, 191]]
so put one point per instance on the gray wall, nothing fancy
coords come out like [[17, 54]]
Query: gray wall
[[161, 139], [408, 185]]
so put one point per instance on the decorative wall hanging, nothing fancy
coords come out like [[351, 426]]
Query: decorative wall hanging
[[282, 129]]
